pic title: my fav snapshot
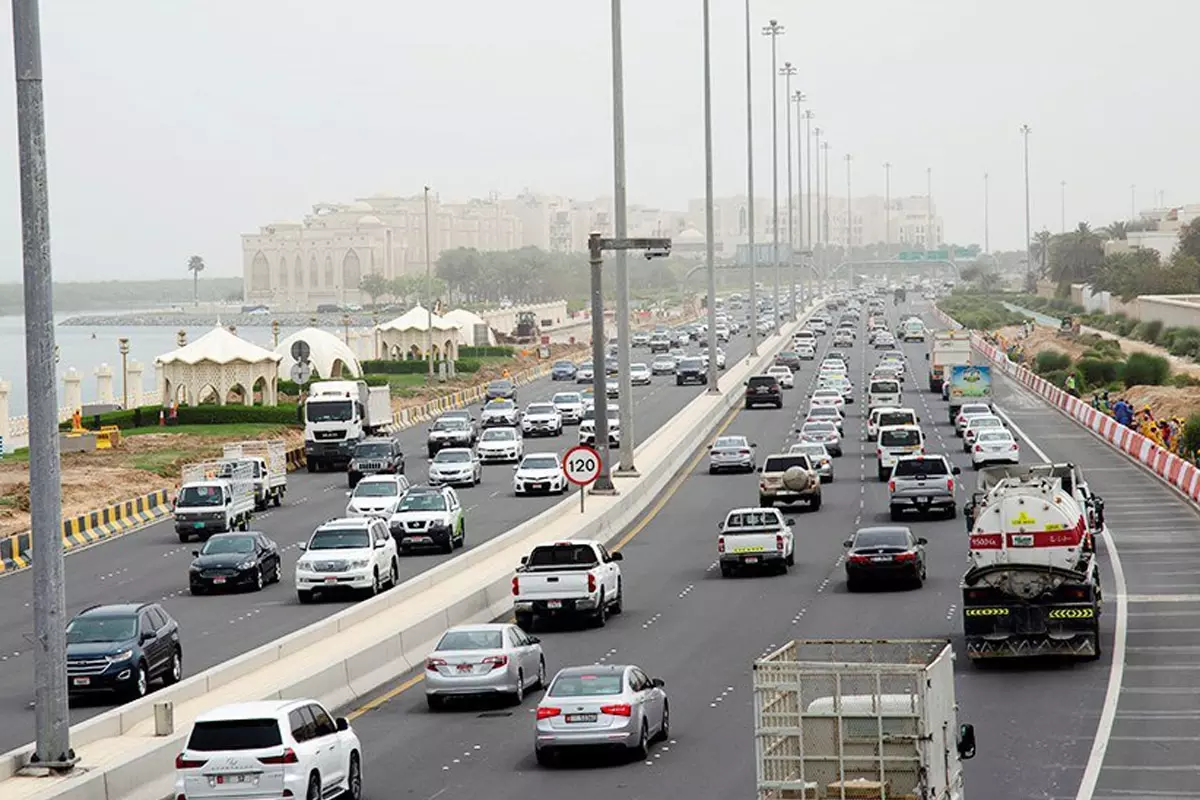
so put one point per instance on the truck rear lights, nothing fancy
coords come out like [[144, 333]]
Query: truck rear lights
[[779, 542], [516, 586], [720, 544], [891, 485], [591, 582]]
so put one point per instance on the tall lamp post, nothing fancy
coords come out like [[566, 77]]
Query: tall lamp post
[[428, 289], [849, 210], [1029, 282], [887, 207], [625, 386], [597, 246], [709, 236], [817, 139], [774, 30], [805, 146], [123, 347], [750, 189], [787, 71], [825, 148]]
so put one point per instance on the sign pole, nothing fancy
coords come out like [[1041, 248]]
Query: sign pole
[[581, 466]]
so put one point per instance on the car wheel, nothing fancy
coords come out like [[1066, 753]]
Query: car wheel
[[314, 788], [258, 580], [726, 570], [951, 512], [541, 674], [600, 618], [766, 502], [852, 584], [184, 537], [619, 603], [304, 597], [790, 560], [525, 621], [354, 779], [448, 547], [376, 582], [462, 535], [895, 514], [394, 578], [518, 695], [642, 748], [174, 673], [815, 505], [141, 683], [664, 730], [883, 473], [545, 756]]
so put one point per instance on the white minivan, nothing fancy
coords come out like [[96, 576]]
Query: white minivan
[[895, 441], [883, 392]]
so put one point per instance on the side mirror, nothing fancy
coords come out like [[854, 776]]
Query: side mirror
[[302, 546], [721, 525], [196, 553], [524, 560], [533, 640], [789, 522], [516, 467], [658, 682], [349, 494], [966, 741], [922, 540], [618, 556], [848, 543], [146, 636], [342, 724], [956, 471], [379, 543]]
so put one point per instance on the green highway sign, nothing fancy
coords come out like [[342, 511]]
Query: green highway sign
[[924, 255]]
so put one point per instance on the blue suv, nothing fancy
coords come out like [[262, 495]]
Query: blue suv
[[121, 648]]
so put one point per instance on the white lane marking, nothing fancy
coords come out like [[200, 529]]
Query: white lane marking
[[1116, 672]]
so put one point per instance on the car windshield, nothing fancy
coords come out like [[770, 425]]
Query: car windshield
[[729, 442], [691, 363], [779, 371], [586, 685], [452, 457], [995, 436], [340, 539], [101, 629], [567, 397], [812, 450], [784, 463], [423, 501], [758, 518], [824, 411], [540, 462], [500, 386], [975, 410], [819, 427], [984, 422], [587, 365], [901, 437], [200, 497], [896, 418], [328, 410], [372, 449], [563, 364], [885, 387], [499, 435], [376, 489], [562, 555], [228, 544], [540, 408], [920, 466], [786, 355], [234, 734], [826, 393], [451, 424], [500, 405], [881, 539], [763, 380], [470, 640]]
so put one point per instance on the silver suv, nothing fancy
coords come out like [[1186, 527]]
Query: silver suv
[[924, 484]]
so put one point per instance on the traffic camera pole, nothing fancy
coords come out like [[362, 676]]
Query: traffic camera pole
[[52, 749]]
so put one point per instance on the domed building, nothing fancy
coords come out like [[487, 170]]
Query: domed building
[[466, 323], [689, 243], [329, 356]]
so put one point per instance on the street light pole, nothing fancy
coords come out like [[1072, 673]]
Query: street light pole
[[428, 290], [817, 135], [1029, 283], [849, 210], [123, 347], [803, 145], [787, 72], [750, 189], [1132, 202], [930, 238], [710, 237], [825, 147], [887, 207], [625, 386], [774, 30], [52, 748]]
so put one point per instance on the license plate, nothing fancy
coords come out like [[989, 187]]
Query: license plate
[[218, 580], [82, 681], [881, 558], [236, 778], [464, 667], [538, 486], [554, 604], [922, 499], [197, 524], [331, 580], [751, 559], [581, 717]]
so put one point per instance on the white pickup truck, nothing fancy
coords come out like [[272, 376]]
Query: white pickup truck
[[755, 537], [268, 458], [575, 578]]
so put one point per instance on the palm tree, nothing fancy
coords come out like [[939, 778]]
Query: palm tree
[[195, 266], [1116, 230], [1040, 250]]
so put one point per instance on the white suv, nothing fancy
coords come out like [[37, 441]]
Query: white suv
[[429, 516], [273, 748], [356, 553]]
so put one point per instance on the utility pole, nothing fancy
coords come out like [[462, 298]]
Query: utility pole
[[428, 290], [806, 240], [625, 386], [750, 190], [710, 236], [929, 235], [987, 219], [788, 71], [775, 30], [817, 136], [52, 749], [849, 210], [825, 147], [887, 206], [1030, 285]]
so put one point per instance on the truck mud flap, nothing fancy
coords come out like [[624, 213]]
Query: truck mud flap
[[1081, 645], [1027, 631]]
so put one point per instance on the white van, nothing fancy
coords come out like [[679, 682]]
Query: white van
[[895, 441], [883, 392], [885, 416]]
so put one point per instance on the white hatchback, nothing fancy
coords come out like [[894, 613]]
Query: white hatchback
[[993, 446]]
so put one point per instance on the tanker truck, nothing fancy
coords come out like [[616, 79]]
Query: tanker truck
[[1032, 587]]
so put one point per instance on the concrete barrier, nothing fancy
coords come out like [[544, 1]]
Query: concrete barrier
[[353, 652]]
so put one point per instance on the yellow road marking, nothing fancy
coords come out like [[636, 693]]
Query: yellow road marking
[[400, 689]]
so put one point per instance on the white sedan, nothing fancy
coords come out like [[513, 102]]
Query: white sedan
[[827, 397], [538, 473], [994, 446], [787, 380]]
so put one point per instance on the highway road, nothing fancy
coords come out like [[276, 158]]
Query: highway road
[[151, 564], [1036, 722]]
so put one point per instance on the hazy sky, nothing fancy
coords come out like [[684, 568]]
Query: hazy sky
[[175, 125]]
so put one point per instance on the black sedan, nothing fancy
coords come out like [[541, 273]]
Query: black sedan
[[563, 371], [234, 560], [884, 553]]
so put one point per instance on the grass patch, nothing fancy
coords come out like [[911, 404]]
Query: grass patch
[[245, 430], [164, 463]]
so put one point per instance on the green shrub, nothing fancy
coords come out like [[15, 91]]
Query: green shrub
[[1183, 381], [415, 367], [502, 351], [1099, 372], [195, 415], [1111, 346], [1050, 361], [1148, 331], [1191, 436], [1057, 377], [1143, 369]]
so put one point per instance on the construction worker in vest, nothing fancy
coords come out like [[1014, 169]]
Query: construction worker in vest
[[1070, 386]]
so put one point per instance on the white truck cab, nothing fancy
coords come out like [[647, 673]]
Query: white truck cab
[[573, 578]]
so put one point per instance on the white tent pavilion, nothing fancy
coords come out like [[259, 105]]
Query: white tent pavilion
[[403, 338], [329, 356], [219, 363]]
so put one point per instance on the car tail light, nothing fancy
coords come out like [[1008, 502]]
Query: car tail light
[[950, 484], [433, 663], [906, 557], [744, 452], [496, 661], [891, 485], [516, 586], [591, 582], [878, 452], [1014, 446], [720, 544], [978, 448], [779, 542], [545, 712], [188, 763], [858, 559], [617, 710], [288, 757]]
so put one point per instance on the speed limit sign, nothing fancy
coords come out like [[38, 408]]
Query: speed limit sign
[[581, 465]]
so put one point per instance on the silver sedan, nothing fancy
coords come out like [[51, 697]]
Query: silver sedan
[[735, 453], [605, 706], [485, 659], [817, 454]]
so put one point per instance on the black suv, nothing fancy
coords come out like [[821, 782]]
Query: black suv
[[691, 370], [375, 455], [763, 390], [122, 648]]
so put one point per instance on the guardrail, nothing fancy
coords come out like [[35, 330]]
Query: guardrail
[[1176, 471], [378, 639]]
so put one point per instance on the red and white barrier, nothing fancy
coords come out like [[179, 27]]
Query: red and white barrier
[[1168, 466]]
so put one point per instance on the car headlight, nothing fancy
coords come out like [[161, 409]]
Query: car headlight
[[194, 568], [359, 563], [124, 655], [304, 566], [247, 564]]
